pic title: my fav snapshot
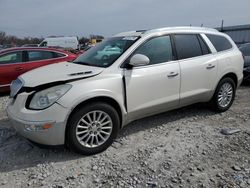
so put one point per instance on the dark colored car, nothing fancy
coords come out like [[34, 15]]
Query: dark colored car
[[245, 49], [16, 61]]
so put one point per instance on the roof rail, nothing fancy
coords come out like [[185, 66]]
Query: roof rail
[[190, 28]]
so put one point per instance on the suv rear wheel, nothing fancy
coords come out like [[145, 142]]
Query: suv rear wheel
[[93, 128], [224, 95]]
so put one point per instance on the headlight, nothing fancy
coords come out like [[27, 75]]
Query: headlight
[[47, 97], [15, 87]]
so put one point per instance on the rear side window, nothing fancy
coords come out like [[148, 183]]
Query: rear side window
[[220, 43], [56, 55], [14, 57], [158, 50], [39, 55], [187, 46]]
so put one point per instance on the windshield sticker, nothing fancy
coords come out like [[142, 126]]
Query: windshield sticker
[[130, 38]]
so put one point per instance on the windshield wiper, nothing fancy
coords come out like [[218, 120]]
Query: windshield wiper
[[82, 63], [88, 64]]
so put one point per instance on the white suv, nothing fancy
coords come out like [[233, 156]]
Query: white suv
[[85, 103]]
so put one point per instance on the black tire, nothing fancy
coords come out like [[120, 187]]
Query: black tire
[[214, 103], [72, 141]]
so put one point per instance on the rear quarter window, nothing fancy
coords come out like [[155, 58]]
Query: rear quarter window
[[56, 55], [219, 42]]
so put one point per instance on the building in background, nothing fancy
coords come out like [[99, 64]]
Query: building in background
[[240, 34]]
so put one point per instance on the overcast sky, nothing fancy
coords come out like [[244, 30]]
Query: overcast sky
[[107, 17]]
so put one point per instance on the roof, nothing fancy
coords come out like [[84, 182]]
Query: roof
[[166, 29], [31, 48]]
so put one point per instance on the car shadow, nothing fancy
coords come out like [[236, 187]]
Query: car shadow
[[13, 146], [195, 110], [245, 83], [4, 94]]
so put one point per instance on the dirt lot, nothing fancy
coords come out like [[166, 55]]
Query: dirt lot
[[181, 148]]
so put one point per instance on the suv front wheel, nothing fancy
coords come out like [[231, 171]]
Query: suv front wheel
[[93, 128], [224, 95]]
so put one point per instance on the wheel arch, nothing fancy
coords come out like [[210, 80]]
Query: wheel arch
[[105, 99], [231, 75]]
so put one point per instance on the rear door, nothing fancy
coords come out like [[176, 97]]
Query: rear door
[[11, 66], [198, 68], [155, 87]]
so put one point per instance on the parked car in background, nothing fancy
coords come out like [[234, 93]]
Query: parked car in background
[[30, 45], [107, 52], [85, 47], [63, 42], [85, 103], [245, 49], [5, 46], [16, 61]]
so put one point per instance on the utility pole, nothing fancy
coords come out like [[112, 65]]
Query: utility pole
[[222, 24]]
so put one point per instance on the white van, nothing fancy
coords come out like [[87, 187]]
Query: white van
[[64, 42]]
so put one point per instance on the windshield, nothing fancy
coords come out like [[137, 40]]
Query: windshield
[[107, 52]]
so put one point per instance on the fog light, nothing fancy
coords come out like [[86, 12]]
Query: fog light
[[39, 127]]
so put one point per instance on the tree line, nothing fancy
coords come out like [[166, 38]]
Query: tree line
[[16, 41]]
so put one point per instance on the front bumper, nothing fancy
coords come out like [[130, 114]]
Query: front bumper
[[22, 118]]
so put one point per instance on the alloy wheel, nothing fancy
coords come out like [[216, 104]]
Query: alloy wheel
[[225, 95], [94, 128]]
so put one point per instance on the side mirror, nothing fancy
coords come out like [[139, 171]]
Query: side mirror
[[139, 60]]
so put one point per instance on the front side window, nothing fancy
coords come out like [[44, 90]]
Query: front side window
[[43, 44], [107, 52], [39, 55], [14, 57], [220, 43], [158, 50], [187, 46]]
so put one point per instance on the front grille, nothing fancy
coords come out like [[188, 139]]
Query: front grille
[[15, 87]]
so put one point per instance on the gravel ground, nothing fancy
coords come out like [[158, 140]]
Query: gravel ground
[[181, 148]]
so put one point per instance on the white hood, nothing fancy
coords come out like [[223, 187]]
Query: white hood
[[58, 72]]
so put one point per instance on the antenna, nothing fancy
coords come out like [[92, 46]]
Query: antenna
[[222, 25]]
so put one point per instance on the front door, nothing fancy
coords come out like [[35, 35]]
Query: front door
[[155, 87]]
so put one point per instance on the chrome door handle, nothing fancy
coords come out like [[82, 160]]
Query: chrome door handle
[[172, 74], [210, 66]]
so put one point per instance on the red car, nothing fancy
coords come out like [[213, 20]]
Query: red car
[[16, 61]]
